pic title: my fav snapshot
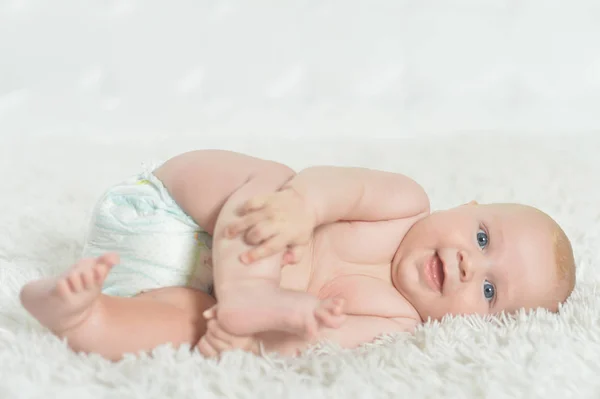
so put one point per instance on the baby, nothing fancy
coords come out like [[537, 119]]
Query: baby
[[330, 253]]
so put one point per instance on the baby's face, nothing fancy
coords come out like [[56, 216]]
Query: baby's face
[[477, 259]]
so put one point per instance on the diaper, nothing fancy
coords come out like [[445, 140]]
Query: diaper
[[159, 244]]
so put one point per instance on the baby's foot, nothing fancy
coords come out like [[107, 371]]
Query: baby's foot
[[63, 303], [254, 309]]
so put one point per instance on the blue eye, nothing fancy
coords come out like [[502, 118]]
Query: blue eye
[[482, 239], [489, 291]]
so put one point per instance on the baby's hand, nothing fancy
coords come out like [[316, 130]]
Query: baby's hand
[[273, 223]]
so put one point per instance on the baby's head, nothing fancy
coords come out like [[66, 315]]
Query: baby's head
[[484, 259]]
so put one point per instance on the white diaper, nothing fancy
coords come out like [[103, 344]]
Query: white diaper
[[159, 245]]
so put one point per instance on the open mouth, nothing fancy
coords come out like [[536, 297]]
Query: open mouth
[[434, 270]]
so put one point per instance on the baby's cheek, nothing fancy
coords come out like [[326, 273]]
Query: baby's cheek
[[437, 308], [467, 303]]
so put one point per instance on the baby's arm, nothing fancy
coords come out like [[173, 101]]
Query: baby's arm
[[361, 329], [355, 331], [326, 194], [358, 194]]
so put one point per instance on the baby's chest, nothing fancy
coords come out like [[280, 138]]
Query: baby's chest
[[353, 262], [359, 242], [337, 246]]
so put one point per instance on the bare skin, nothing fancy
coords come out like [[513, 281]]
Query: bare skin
[[65, 302], [263, 297], [72, 307], [285, 325], [251, 300], [359, 264]]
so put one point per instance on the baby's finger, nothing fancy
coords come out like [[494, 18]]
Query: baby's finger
[[260, 232], [210, 313], [294, 255], [216, 331], [253, 204], [243, 224], [270, 247], [206, 349], [218, 345]]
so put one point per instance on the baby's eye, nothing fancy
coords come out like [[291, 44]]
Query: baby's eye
[[489, 291], [482, 239]]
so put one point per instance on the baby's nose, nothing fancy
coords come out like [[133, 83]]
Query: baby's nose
[[465, 266]]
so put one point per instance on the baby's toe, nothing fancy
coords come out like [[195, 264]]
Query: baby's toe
[[62, 288], [101, 271], [74, 282], [87, 279], [109, 259]]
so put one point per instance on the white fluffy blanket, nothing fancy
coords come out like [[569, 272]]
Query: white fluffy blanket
[[49, 187]]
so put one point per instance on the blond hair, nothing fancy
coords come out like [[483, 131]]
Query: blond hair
[[564, 258], [564, 262]]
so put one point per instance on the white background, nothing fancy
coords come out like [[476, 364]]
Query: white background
[[383, 68]]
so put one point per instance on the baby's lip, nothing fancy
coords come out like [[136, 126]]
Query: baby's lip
[[444, 271], [434, 272]]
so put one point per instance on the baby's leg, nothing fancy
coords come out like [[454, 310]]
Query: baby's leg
[[210, 186], [72, 307], [250, 299]]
